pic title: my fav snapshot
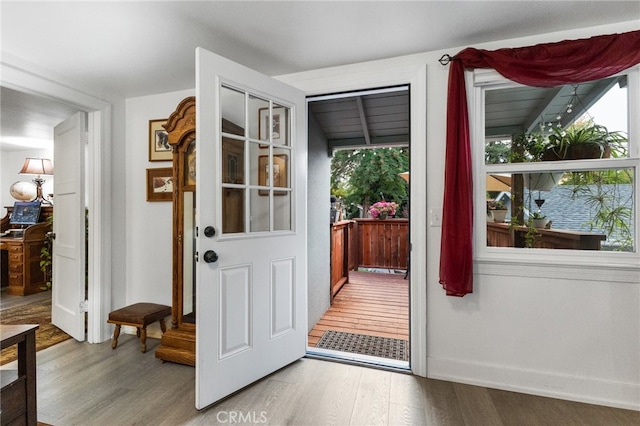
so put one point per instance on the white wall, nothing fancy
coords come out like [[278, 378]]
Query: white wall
[[571, 332], [148, 224], [568, 337], [11, 162], [318, 224]]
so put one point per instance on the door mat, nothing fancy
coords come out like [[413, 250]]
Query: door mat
[[383, 347]]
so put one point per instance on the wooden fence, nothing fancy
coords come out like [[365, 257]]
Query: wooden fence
[[367, 243]]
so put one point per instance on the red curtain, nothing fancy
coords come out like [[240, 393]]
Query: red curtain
[[542, 65]]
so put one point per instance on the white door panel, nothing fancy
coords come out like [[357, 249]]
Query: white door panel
[[251, 184], [68, 253]]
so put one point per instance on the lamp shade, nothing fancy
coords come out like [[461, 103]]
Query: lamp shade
[[37, 166]]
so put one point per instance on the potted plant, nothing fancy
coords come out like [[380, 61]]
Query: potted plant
[[584, 140], [539, 220], [382, 209], [497, 210]]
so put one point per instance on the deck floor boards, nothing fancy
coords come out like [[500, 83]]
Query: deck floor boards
[[370, 303]]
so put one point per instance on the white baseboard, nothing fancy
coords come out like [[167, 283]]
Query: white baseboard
[[572, 388]]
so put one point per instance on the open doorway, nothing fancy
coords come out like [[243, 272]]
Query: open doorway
[[358, 263], [24, 78]]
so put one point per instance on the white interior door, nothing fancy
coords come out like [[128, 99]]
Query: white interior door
[[251, 185], [68, 280]]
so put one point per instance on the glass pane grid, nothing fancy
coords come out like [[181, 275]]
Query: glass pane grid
[[266, 155]]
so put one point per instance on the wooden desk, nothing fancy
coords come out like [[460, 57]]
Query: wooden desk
[[23, 259], [18, 400]]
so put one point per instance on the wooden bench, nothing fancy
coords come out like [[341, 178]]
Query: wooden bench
[[138, 315]]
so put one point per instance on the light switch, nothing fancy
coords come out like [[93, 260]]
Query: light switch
[[435, 217]]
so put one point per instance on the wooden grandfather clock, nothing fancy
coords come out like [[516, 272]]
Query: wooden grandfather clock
[[179, 341]]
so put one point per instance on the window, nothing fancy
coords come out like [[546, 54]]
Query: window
[[562, 161], [255, 164]]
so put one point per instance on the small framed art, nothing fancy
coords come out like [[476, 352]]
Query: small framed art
[[160, 184], [159, 148]]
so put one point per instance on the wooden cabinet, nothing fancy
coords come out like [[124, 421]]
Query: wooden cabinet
[[18, 401], [22, 260]]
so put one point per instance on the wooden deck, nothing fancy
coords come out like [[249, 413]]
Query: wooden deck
[[370, 303]]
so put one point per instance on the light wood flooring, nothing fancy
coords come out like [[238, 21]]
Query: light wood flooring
[[8, 301], [370, 303], [91, 384]]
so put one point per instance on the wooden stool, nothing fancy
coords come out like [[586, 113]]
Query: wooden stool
[[138, 315]]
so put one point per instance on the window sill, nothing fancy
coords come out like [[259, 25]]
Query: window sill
[[608, 267]]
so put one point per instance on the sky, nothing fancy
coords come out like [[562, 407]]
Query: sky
[[611, 110]]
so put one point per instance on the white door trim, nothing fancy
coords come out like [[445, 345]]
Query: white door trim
[[381, 74], [26, 77]]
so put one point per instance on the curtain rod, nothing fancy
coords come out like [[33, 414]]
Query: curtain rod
[[445, 59]]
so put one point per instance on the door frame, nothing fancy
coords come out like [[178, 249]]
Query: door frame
[[382, 74], [28, 78]]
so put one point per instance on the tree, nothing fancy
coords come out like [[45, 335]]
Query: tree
[[364, 176]]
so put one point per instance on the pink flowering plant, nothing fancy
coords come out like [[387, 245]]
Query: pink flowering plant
[[383, 208]]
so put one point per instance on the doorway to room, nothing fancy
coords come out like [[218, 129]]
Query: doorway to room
[[39, 83], [358, 262]]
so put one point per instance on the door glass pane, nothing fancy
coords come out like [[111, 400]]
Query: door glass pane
[[258, 118], [259, 169], [281, 133], [259, 210], [232, 210], [232, 161], [255, 163], [282, 211], [232, 109], [281, 168]]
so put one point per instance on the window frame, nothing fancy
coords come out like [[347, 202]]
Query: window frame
[[494, 259]]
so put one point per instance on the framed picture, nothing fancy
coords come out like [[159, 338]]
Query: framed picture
[[159, 148], [278, 173], [160, 184], [278, 124]]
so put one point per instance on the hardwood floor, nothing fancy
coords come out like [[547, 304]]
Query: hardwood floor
[[82, 384], [372, 304], [10, 301]]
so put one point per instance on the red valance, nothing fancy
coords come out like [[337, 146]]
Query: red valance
[[542, 65]]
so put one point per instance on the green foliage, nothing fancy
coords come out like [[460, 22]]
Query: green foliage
[[496, 152], [586, 132], [600, 177], [365, 176], [45, 257], [531, 234], [528, 148], [612, 214], [560, 144]]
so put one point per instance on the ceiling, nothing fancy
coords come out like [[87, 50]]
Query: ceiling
[[378, 117], [141, 48], [522, 109]]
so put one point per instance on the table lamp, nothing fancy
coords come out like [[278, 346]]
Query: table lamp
[[38, 167]]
